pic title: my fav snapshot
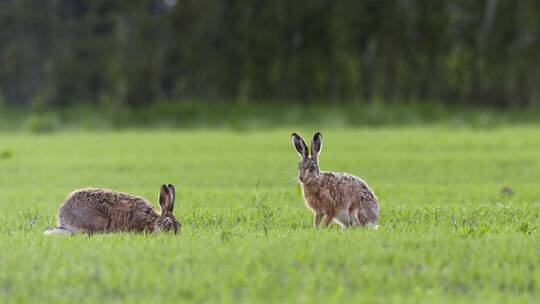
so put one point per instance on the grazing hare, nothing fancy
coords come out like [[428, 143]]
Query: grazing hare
[[93, 210], [342, 197]]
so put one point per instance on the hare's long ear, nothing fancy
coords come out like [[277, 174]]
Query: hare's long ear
[[172, 193], [164, 199], [316, 145], [300, 145]]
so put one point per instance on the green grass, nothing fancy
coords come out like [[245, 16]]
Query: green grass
[[447, 233]]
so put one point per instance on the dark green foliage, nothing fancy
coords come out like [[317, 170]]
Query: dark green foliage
[[139, 52], [245, 117]]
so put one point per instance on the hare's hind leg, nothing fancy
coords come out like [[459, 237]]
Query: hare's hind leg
[[343, 218], [98, 225], [369, 215], [355, 219], [88, 221], [95, 224]]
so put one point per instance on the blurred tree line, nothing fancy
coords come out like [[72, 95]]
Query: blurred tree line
[[63, 52]]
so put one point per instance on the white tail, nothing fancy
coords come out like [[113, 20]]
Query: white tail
[[57, 231], [373, 226]]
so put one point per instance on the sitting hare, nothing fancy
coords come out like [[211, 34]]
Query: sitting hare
[[93, 210], [342, 197]]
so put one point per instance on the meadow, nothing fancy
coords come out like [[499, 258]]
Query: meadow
[[447, 231]]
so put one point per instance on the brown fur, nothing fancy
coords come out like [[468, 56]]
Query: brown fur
[[94, 210], [341, 197]]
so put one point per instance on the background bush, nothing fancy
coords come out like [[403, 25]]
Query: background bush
[[125, 53]]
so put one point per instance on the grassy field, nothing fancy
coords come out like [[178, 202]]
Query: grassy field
[[447, 232]]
